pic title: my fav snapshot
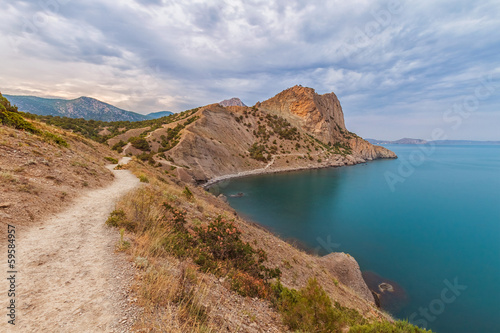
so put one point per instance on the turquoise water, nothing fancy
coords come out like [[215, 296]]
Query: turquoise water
[[437, 226]]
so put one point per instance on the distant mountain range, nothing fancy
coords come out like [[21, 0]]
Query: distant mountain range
[[409, 141], [82, 107], [232, 102]]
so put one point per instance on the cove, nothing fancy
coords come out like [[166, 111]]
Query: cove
[[436, 229]]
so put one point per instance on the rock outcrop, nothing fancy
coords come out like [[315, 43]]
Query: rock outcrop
[[346, 269], [318, 115]]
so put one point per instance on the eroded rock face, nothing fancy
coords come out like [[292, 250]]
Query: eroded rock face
[[347, 271], [319, 115]]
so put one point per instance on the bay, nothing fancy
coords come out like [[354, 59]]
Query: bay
[[428, 222]]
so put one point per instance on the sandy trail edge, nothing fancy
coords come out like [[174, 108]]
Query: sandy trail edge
[[69, 279]]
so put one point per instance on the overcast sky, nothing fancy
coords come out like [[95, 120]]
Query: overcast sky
[[399, 68]]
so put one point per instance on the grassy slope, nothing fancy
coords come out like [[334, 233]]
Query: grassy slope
[[178, 291], [181, 293], [40, 173]]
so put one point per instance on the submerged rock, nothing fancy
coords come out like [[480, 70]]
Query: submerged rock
[[383, 287]]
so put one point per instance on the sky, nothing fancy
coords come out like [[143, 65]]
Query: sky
[[422, 69]]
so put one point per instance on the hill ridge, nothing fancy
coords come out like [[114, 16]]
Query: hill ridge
[[85, 107]]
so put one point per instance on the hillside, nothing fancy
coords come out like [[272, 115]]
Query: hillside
[[82, 107], [297, 129], [42, 168], [199, 267]]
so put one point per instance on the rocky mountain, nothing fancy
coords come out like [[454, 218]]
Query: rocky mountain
[[232, 102], [318, 115], [82, 107], [296, 129]]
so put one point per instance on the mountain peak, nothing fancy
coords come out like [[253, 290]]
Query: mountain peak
[[232, 102], [320, 115]]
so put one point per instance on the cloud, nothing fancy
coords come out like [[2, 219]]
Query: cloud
[[385, 62]]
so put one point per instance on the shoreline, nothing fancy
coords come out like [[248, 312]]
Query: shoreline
[[257, 172], [262, 171]]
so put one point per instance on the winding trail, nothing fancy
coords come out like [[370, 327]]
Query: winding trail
[[69, 278]]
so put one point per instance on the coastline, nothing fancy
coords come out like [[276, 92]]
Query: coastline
[[266, 170]]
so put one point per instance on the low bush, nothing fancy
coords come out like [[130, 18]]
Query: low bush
[[247, 285], [387, 327], [117, 218], [55, 138], [307, 310], [257, 152], [139, 143], [11, 118], [119, 146], [112, 160], [187, 192]]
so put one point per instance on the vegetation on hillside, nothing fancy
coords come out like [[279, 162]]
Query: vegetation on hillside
[[42, 167], [92, 128], [173, 136], [10, 116], [170, 220], [271, 128]]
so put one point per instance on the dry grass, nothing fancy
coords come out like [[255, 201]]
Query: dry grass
[[176, 296], [40, 177], [159, 283]]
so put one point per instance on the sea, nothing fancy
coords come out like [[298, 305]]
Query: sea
[[427, 223]]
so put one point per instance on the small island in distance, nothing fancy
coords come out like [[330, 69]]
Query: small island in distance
[[410, 141]]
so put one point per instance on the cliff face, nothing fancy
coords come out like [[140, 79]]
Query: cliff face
[[319, 115], [363, 150], [296, 129]]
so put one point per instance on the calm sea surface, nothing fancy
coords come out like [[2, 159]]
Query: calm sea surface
[[428, 223]]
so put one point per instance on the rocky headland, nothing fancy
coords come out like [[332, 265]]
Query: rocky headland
[[296, 129]]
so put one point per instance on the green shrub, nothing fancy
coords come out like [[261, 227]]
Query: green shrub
[[387, 327], [14, 119], [139, 143], [257, 152], [117, 218], [55, 138], [111, 160], [311, 310], [119, 146], [143, 179], [218, 248], [5, 105], [187, 192], [308, 310]]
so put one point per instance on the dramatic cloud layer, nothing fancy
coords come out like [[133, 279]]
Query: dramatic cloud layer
[[400, 68]]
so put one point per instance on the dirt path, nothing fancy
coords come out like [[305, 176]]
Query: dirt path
[[69, 278]]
